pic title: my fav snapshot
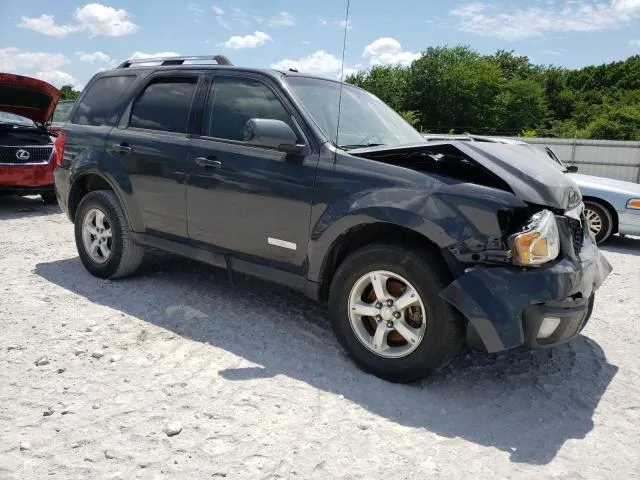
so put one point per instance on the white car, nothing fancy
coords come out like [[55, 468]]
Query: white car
[[611, 206]]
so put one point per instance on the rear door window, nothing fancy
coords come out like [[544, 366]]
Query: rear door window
[[97, 103], [164, 105]]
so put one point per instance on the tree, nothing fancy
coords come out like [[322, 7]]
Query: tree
[[454, 88], [68, 93]]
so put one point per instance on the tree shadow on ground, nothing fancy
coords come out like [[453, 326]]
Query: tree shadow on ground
[[12, 207], [525, 403]]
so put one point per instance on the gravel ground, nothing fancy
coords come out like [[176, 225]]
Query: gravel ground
[[175, 374]]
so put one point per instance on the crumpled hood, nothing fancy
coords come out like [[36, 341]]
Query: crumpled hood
[[28, 97], [530, 174]]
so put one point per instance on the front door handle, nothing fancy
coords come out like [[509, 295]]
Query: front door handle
[[123, 148], [209, 162]]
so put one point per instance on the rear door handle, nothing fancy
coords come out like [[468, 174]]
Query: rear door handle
[[123, 148], [209, 162]]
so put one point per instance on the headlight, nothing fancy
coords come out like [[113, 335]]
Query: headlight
[[538, 243], [634, 203]]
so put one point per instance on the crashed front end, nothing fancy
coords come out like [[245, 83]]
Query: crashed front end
[[513, 230], [540, 304]]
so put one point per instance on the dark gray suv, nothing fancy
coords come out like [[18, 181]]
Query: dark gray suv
[[414, 245]]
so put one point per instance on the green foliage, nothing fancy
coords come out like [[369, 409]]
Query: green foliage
[[68, 93], [412, 117], [456, 89]]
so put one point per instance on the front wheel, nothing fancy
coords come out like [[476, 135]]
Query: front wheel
[[388, 316], [599, 219], [103, 238]]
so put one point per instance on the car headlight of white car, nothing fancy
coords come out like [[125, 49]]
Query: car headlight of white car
[[538, 243]]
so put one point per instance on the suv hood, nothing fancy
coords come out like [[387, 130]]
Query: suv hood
[[28, 97], [529, 173]]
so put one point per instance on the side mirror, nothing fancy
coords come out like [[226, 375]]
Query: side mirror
[[267, 132], [572, 168]]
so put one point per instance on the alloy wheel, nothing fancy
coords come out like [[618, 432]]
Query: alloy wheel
[[387, 314], [97, 236]]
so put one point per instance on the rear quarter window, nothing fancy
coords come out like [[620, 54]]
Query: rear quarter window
[[97, 103]]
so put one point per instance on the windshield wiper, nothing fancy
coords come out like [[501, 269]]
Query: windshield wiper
[[360, 145]]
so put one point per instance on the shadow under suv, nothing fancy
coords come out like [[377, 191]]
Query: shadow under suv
[[414, 245]]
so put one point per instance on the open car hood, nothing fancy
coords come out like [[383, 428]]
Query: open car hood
[[529, 173], [28, 97]]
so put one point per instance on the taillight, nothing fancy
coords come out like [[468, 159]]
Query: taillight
[[59, 145]]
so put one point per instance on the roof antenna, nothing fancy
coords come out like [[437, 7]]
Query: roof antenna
[[344, 47]]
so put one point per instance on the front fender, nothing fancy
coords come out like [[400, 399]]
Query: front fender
[[459, 217]]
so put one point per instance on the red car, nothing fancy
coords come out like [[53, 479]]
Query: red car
[[28, 145]]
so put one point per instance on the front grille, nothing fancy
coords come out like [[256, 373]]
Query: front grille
[[577, 233], [16, 155]]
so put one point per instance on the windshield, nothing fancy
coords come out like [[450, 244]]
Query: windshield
[[364, 119], [61, 113], [13, 119]]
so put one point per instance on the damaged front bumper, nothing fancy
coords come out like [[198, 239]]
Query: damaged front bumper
[[509, 307]]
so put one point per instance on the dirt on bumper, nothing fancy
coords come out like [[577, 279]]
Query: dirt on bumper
[[497, 300]]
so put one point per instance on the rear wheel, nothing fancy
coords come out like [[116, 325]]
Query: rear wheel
[[600, 220], [103, 238], [388, 316]]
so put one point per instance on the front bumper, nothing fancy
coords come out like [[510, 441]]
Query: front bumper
[[507, 305], [629, 222]]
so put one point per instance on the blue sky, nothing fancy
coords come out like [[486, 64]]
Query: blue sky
[[67, 41]]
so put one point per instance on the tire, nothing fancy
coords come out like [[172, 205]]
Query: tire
[[444, 326], [49, 198], [600, 213], [125, 256]]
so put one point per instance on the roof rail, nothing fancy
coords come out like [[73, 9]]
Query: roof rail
[[177, 60]]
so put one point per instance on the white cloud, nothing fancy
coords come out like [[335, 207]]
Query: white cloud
[[635, 42], [95, 57], [46, 25], [59, 79], [247, 41], [223, 23], [43, 65], [388, 51], [15, 60], [628, 6], [568, 16], [342, 23], [194, 8], [99, 19], [141, 55], [281, 19], [218, 10], [335, 23], [318, 63], [94, 18]]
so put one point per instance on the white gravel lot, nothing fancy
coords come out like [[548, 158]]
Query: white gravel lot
[[254, 381]]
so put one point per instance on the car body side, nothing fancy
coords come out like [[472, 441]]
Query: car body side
[[352, 201]]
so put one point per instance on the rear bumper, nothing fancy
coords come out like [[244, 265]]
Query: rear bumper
[[61, 182], [507, 305]]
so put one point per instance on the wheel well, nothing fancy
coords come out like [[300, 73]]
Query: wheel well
[[609, 207], [85, 184], [368, 234]]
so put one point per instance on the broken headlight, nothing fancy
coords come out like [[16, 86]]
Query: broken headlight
[[538, 243]]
